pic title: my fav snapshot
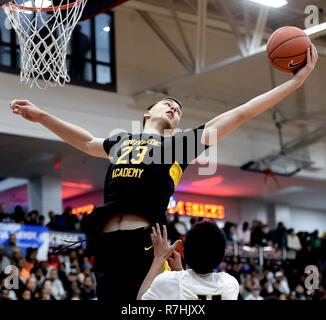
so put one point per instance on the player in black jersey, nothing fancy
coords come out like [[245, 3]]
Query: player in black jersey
[[143, 173]]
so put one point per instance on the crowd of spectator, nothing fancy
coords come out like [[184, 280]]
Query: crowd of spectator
[[282, 279], [66, 221], [65, 276], [69, 275]]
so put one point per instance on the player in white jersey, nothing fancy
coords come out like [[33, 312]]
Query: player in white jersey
[[204, 249]]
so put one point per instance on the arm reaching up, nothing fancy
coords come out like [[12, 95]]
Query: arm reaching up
[[162, 252], [70, 133], [219, 127]]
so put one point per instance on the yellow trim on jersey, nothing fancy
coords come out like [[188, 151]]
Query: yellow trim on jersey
[[176, 173], [165, 267]]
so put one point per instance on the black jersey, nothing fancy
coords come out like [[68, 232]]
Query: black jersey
[[145, 170]]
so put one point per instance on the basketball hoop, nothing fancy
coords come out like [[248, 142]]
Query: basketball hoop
[[44, 29]]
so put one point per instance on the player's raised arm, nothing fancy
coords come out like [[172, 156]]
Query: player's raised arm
[[221, 126], [70, 133], [162, 252]]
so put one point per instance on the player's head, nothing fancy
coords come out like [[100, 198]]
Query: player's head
[[159, 113], [204, 247]]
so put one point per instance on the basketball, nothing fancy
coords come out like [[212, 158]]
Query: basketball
[[287, 49]]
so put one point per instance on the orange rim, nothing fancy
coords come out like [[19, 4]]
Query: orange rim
[[64, 7]]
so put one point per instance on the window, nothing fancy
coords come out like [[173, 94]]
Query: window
[[90, 58]]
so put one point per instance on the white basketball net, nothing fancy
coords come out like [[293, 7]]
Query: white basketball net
[[44, 38]]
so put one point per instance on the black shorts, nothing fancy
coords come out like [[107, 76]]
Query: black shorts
[[122, 261]]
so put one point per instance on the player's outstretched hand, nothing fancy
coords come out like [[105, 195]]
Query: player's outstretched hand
[[162, 249], [26, 109], [312, 58]]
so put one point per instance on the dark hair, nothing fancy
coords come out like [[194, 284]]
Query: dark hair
[[204, 247], [167, 98], [245, 226]]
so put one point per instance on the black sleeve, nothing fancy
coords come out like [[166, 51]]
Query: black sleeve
[[188, 145], [108, 143]]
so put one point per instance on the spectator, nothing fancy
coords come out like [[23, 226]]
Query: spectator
[[235, 271], [283, 296], [88, 292], [4, 261], [46, 290], [276, 290], [32, 218], [44, 268], [266, 238], [315, 240], [70, 219], [3, 212], [41, 221], [26, 295], [62, 275], [267, 279], [300, 294], [53, 260], [4, 294], [80, 279], [73, 288], [64, 257], [29, 262], [11, 293], [39, 277], [227, 227], [315, 243], [80, 255], [57, 290], [73, 266], [19, 215], [293, 245], [283, 283], [265, 288], [11, 247], [232, 236], [256, 233], [255, 294], [53, 223], [31, 285], [303, 237], [279, 236], [244, 234]]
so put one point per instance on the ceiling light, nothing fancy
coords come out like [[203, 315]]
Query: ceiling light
[[76, 185], [107, 29], [272, 3]]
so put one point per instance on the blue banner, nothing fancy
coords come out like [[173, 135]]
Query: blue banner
[[58, 238], [27, 236]]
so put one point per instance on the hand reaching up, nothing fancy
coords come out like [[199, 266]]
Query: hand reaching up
[[27, 110], [162, 249]]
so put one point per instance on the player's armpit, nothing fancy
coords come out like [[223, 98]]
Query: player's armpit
[[95, 148]]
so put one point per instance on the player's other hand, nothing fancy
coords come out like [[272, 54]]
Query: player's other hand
[[26, 109], [175, 262], [312, 58], [162, 249]]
